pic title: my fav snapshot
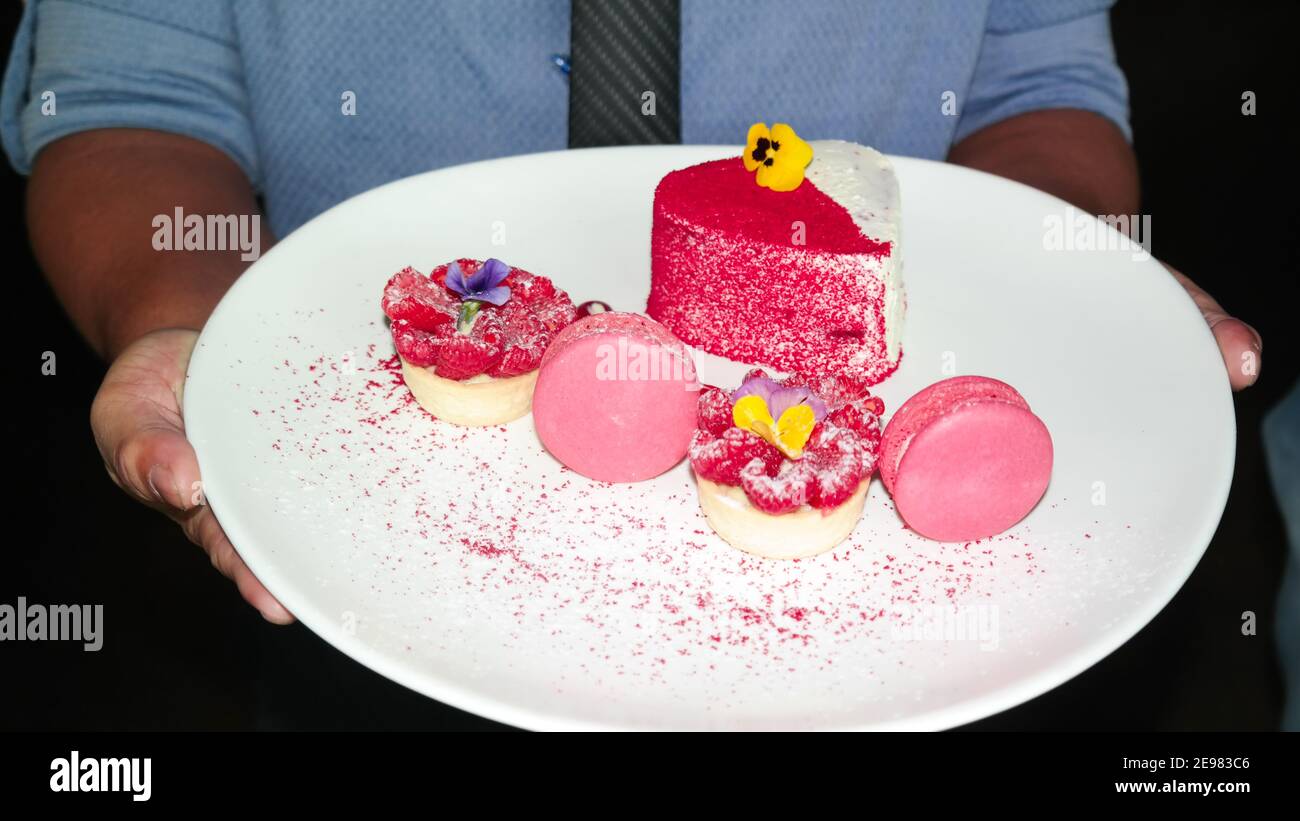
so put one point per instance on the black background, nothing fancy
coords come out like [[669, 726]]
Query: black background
[[183, 651]]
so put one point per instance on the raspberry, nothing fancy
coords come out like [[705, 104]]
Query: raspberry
[[720, 459], [525, 339], [556, 312], [847, 417], [772, 458], [836, 462], [869, 440], [521, 356], [870, 455], [857, 418], [413, 297], [788, 490], [867, 429], [416, 346], [835, 389], [489, 327], [461, 356], [714, 411], [518, 322], [529, 288]]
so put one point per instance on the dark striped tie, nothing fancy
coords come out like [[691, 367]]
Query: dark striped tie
[[625, 80]]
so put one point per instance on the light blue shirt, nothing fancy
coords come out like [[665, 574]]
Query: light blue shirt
[[439, 83]]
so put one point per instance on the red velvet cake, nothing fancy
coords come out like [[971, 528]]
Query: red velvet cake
[[804, 280]]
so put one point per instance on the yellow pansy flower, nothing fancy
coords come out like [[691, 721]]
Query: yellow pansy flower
[[788, 434], [778, 155]]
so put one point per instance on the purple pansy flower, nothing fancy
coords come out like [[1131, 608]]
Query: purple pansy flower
[[484, 285], [778, 397]]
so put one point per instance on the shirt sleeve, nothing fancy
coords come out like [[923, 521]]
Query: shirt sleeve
[[1045, 54], [78, 65]]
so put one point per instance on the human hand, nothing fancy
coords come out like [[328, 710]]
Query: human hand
[[136, 418]]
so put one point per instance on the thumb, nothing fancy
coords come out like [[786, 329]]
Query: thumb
[[1240, 345], [136, 419]]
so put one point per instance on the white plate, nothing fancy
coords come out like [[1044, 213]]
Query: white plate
[[468, 565]]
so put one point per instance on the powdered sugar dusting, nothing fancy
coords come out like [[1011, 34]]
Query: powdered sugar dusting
[[475, 543]]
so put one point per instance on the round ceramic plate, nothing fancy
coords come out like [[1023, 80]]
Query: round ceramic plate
[[473, 568]]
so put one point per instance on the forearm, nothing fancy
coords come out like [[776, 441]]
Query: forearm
[[1078, 156], [92, 203]]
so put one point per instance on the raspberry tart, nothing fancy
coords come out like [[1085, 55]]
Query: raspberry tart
[[783, 467], [471, 336], [787, 256]]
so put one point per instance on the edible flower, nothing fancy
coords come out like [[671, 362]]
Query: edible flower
[[779, 156], [484, 285], [783, 416]]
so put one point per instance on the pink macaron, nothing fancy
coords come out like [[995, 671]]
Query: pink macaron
[[616, 397], [965, 458]]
